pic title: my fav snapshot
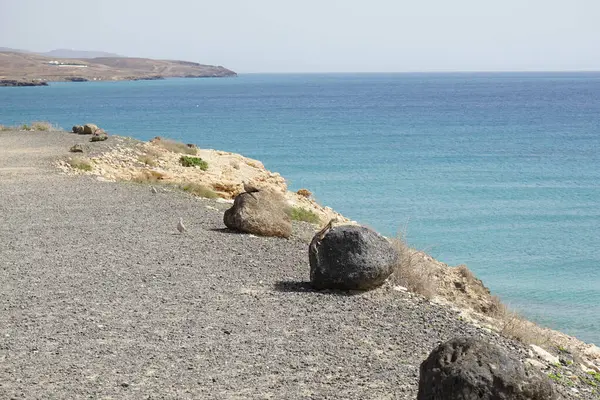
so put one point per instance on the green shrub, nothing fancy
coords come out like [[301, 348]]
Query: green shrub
[[302, 214], [199, 190], [188, 161]]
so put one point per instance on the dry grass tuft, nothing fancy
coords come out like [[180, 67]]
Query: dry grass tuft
[[513, 325], [304, 193], [39, 126], [199, 190], [80, 163], [175, 147], [148, 159], [43, 126], [410, 272], [148, 176]]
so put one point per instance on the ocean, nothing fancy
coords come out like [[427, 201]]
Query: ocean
[[498, 171]]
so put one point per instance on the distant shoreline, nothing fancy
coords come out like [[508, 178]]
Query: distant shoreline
[[27, 69]]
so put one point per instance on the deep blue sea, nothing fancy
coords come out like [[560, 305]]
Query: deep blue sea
[[499, 171]]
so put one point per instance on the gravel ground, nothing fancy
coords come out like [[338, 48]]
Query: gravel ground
[[101, 297]]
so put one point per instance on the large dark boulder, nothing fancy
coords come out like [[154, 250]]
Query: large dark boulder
[[350, 257], [474, 369], [261, 213]]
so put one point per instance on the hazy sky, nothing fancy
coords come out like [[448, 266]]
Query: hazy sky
[[319, 35]]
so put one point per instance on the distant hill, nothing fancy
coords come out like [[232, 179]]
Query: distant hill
[[64, 53], [19, 67], [67, 53], [5, 49]]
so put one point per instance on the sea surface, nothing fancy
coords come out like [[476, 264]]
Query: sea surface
[[498, 171]]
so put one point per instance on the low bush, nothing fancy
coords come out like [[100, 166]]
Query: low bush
[[43, 126], [199, 190], [514, 326], [304, 193], [302, 214], [148, 160], [188, 161], [409, 273]]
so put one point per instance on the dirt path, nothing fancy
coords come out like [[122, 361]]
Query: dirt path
[[101, 298]]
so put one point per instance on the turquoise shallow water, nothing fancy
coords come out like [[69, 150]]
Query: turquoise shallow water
[[497, 171]]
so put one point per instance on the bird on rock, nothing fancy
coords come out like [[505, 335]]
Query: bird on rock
[[181, 227]]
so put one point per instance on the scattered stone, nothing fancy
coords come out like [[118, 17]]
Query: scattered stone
[[89, 129], [99, 136], [536, 363], [473, 369], [221, 200], [262, 213], [544, 355], [351, 258], [78, 148]]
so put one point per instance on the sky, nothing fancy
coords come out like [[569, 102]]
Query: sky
[[319, 35]]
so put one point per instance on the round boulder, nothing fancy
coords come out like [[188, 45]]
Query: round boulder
[[350, 257], [89, 129], [474, 369], [261, 213]]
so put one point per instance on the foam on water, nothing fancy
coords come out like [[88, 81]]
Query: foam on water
[[497, 171]]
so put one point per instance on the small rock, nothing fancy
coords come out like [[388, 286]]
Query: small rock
[[536, 363], [77, 148], [544, 355], [89, 129], [224, 201]]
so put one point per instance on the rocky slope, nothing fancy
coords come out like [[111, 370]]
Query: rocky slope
[[102, 297]]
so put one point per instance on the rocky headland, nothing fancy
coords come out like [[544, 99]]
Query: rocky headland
[[30, 69], [102, 296]]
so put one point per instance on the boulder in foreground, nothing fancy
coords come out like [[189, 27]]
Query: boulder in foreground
[[473, 369], [350, 258], [261, 213]]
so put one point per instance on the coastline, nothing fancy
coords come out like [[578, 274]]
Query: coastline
[[30, 69], [118, 159]]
